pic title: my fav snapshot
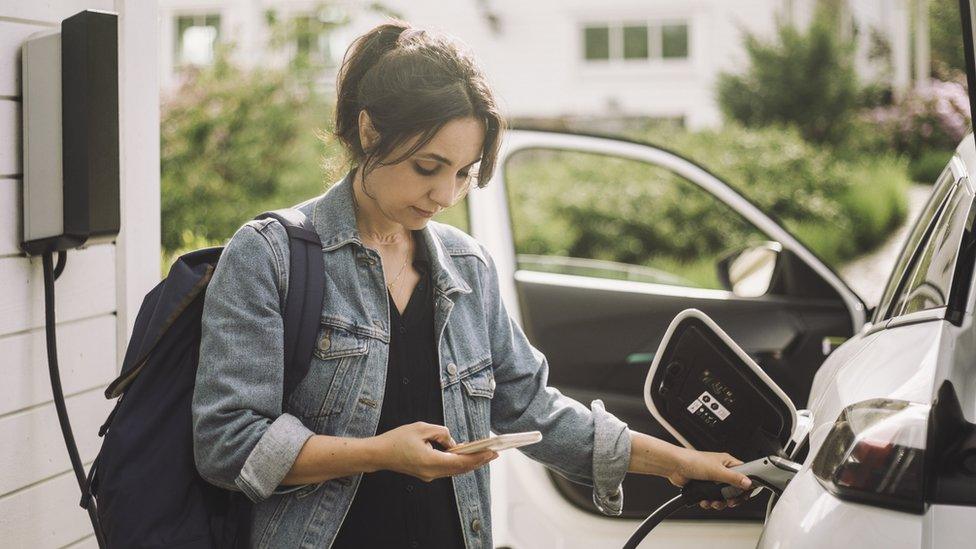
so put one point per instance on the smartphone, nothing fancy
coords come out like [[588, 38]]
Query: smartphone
[[498, 442]]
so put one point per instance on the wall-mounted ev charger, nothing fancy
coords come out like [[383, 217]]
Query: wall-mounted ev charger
[[71, 134], [70, 91]]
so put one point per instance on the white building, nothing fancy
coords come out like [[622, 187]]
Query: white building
[[556, 58], [97, 296]]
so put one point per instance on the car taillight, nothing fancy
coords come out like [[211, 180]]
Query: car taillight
[[875, 453]]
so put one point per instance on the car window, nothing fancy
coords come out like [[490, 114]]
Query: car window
[[603, 216], [916, 239], [931, 277]]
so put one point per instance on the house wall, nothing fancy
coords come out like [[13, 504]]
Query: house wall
[[536, 62], [534, 58], [97, 296]]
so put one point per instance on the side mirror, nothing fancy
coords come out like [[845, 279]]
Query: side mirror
[[749, 272], [706, 391]]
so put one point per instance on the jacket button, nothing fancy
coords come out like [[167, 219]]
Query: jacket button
[[452, 369], [476, 525], [325, 342], [492, 384]]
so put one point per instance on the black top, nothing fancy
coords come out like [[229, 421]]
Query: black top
[[393, 509]]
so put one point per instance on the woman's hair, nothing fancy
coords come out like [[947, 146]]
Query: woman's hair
[[411, 82]]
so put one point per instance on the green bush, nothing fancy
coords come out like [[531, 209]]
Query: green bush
[[945, 27], [929, 164], [235, 142], [581, 205], [925, 125], [801, 77], [839, 208]]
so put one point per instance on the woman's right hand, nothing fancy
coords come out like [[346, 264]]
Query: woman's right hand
[[408, 449]]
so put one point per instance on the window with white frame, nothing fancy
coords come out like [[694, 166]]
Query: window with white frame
[[196, 38], [635, 41]]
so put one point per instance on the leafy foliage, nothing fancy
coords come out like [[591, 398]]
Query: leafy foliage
[[590, 206], [931, 116], [945, 35], [233, 143], [801, 77]]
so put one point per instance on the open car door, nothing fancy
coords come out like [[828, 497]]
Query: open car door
[[599, 322]]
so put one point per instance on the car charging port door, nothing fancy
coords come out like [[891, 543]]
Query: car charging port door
[[708, 393]]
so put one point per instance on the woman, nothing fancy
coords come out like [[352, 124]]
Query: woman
[[415, 346]]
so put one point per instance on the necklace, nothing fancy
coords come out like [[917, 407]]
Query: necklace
[[400, 272], [390, 285]]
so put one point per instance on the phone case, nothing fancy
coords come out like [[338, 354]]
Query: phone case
[[498, 443]]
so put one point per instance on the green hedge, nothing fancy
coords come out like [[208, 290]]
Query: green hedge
[[840, 208], [596, 207], [235, 143]]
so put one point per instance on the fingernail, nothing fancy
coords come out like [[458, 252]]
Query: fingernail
[[746, 482]]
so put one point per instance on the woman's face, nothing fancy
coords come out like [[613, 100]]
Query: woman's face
[[435, 177]]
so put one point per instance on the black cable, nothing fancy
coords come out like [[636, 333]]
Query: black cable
[[59, 267], [659, 514], [52, 361], [692, 492]]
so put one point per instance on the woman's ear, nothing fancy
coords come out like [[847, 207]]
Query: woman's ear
[[368, 136]]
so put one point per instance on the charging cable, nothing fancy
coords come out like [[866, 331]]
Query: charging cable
[[51, 273], [772, 473], [693, 492]]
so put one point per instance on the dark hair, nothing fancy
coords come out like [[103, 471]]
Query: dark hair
[[411, 82]]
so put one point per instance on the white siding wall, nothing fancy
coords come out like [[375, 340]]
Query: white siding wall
[[97, 296]]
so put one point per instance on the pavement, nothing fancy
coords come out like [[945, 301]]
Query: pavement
[[868, 274]]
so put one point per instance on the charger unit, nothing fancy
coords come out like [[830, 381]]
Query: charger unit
[[70, 88]]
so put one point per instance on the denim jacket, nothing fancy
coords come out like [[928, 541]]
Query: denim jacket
[[492, 378]]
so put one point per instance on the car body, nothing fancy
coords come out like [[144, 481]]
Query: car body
[[599, 324]]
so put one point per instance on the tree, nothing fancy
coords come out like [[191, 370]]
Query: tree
[[945, 33], [804, 78], [237, 141]]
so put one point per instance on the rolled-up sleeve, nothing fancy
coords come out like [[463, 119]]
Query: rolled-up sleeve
[[589, 446], [241, 439]]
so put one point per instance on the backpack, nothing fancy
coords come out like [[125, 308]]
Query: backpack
[[144, 479]]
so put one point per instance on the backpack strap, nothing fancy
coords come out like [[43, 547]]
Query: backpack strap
[[305, 298]]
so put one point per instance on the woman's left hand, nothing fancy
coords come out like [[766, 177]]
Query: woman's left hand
[[714, 466]]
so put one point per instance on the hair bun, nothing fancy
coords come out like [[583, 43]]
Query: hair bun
[[412, 82], [410, 34]]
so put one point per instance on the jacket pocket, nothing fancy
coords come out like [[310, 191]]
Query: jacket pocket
[[337, 351], [480, 383], [479, 389]]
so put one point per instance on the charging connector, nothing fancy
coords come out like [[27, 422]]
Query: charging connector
[[772, 473]]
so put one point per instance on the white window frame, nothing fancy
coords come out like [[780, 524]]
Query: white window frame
[[655, 37]]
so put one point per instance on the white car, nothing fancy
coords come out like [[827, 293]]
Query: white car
[[887, 440]]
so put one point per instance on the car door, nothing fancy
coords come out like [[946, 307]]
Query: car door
[[560, 208]]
